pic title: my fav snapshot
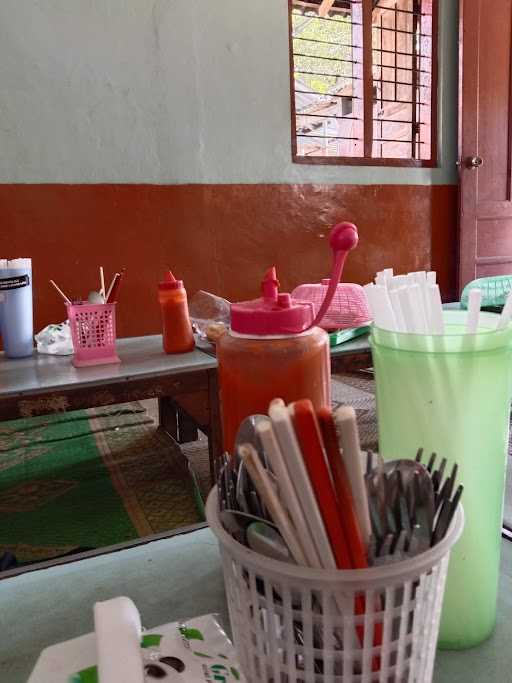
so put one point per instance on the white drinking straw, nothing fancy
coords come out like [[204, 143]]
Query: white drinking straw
[[388, 276], [420, 278], [397, 281], [506, 313], [420, 313], [287, 491], [413, 312], [380, 279], [435, 309], [474, 303], [345, 419], [380, 305], [397, 310]]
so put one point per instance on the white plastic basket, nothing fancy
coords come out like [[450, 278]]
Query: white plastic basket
[[294, 624]]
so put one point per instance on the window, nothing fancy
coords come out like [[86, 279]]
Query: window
[[363, 80]]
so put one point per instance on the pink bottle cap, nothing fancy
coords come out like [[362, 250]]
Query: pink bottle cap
[[170, 282], [274, 313], [278, 313]]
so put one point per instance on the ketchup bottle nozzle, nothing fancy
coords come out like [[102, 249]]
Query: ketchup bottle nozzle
[[270, 285]]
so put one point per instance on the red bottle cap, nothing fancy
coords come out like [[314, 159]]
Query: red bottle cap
[[170, 282]]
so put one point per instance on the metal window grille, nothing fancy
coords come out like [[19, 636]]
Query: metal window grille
[[363, 80]]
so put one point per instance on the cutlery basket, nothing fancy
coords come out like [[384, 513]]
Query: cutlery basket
[[293, 624], [93, 332]]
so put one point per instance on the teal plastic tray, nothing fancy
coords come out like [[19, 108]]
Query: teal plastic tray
[[342, 336]]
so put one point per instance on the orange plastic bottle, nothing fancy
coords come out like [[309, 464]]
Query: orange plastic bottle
[[274, 348], [176, 325], [254, 371]]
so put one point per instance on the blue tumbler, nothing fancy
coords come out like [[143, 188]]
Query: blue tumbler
[[16, 321]]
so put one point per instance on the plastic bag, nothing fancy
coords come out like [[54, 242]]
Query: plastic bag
[[206, 309], [55, 340]]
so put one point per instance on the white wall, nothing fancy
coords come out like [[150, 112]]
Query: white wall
[[168, 91]]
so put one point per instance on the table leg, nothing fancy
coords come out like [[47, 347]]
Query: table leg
[[176, 422], [168, 416], [215, 432], [187, 428]]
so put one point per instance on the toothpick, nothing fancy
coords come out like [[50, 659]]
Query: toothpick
[[102, 280], [110, 286], [68, 301]]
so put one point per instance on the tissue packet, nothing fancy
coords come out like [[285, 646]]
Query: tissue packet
[[197, 651]]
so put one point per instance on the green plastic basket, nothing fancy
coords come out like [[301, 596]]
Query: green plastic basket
[[494, 291]]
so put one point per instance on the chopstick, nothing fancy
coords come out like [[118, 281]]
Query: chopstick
[[290, 449], [287, 491], [307, 431], [345, 420], [357, 548], [346, 506], [267, 494]]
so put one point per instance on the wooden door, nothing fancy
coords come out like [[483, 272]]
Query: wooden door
[[485, 139]]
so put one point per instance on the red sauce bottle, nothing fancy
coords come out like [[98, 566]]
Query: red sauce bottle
[[176, 325], [275, 349]]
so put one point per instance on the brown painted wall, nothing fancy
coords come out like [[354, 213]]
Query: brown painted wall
[[217, 237]]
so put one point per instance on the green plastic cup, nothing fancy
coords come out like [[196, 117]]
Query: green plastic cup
[[450, 394]]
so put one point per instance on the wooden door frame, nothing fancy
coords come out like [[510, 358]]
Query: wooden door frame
[[465, 265], [470, 13]]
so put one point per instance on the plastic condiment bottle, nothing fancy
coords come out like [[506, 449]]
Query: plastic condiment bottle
[[274, 348], [176, 325]]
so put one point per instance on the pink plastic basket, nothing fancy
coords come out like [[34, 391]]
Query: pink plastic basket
[[348, 308], [93, 332]]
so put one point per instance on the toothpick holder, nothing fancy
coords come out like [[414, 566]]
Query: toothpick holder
[[93, 332]]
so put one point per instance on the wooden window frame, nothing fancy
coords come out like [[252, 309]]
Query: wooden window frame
[[368, 160]]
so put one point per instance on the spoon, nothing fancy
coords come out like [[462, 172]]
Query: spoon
[[247, 434], [245, 495], [246, 518], [264, 539]]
